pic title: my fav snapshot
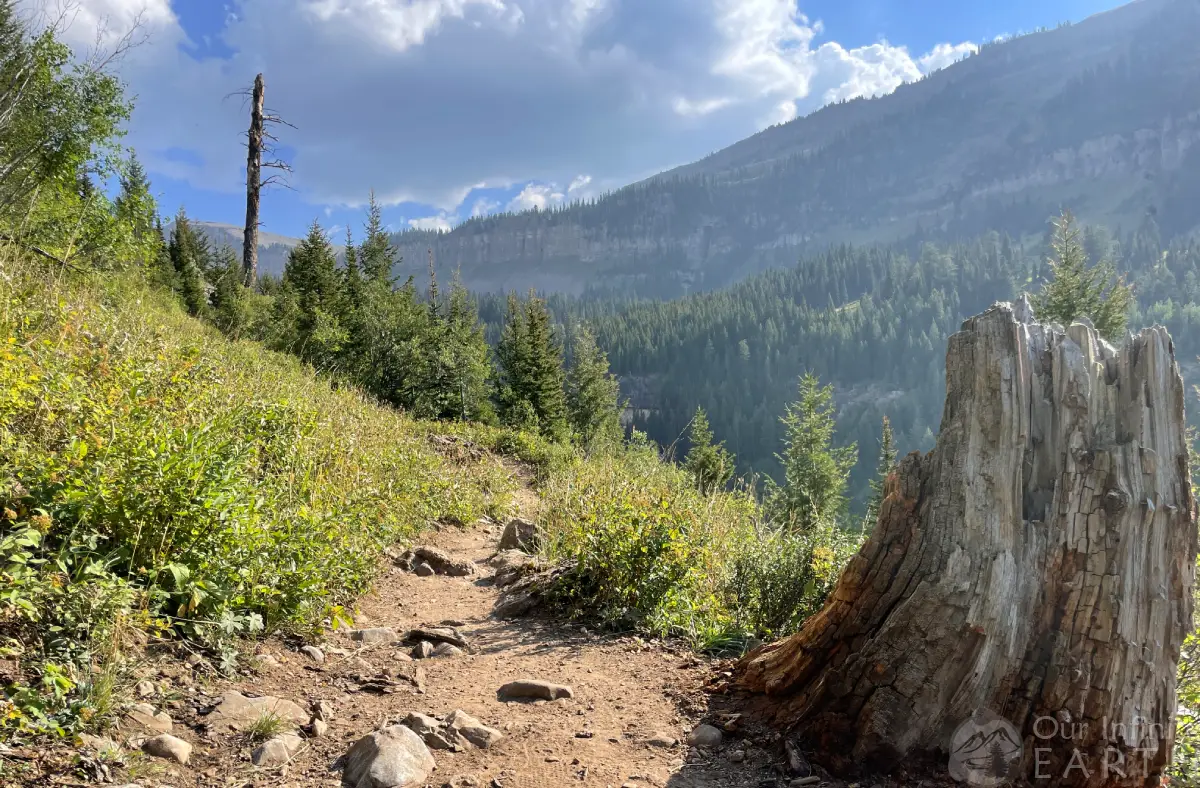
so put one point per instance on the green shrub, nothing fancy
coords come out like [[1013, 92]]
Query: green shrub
[[779, 579], [152, 471]]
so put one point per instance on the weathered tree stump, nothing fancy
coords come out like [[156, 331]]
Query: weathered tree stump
[[1038, 564]]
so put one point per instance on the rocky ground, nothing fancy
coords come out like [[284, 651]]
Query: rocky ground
[[432, 689]]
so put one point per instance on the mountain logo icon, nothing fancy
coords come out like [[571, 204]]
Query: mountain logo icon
[[985, 750]]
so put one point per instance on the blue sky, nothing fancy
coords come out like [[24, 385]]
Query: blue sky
[[454, 108]]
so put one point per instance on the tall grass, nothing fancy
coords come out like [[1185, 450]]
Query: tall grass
[[645, 550], [153, 472]]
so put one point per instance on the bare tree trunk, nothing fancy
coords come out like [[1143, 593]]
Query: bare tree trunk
[[1034, 571], [254, 149]]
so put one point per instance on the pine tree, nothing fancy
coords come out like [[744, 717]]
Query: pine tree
[[710, 464], [887, 460], [228, 294], [1079, 290], [312, 280], [377, 256], [593, 394], [470, 357], [531, 374], [189, 253], [136, 215], [815, 471]]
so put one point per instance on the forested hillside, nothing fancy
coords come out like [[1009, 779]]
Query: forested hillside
[[1103, 116], [873, 321]]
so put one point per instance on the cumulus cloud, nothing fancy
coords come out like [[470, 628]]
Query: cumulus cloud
[[441, 223], [536, 195], [426, 100], [944, 55]]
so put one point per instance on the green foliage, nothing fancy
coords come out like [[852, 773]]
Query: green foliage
[[815, 471], [1079, 290], [159, 475], [887, 461], [593, 394], [531, 373], [780, 578], [644, 548], [710, 465], [189, 253]]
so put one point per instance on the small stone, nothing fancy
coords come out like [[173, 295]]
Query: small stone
[[473, 730], [99, 744], [313, 653], [265, 661], [276, 751], [705, 736], [423, 650], [322, 710], [318, 728], [193, 660], [534, 689], [238, 712], [442, 562], [145, 717], [737, 756], [373, 635], [394, 757], [169, 747], [519, 534], [424, 570], [664, 740], [447, 650], [145, 689]]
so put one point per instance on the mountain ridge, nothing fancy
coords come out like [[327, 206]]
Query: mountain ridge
[[999, 140]]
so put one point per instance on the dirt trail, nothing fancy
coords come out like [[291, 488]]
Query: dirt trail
[[625, 692]]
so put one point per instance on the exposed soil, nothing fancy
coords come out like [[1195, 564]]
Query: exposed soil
[[626, 691]]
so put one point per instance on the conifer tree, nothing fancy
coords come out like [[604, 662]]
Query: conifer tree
[[189, 252], [887, 460], [311, 278], [228, 294], [593, 394], [470, 356], [531, 374], [377, 256], [710, 464], [136, 215], [1079, 290], [815, 471]]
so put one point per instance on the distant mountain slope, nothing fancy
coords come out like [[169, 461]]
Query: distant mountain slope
[[272, 248], [1103, 116]]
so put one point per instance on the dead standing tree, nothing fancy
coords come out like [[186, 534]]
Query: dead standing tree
[[258, 141], [1037, 564]]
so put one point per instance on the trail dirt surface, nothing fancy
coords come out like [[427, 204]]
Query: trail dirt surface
[[627, 724]]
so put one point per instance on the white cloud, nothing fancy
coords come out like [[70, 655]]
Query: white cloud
[[425, 100], [441, 223], [536, 195], [483, 206], [944, 55], [579, 184]]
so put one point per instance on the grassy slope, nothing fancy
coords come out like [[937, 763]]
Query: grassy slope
[[155, 476]]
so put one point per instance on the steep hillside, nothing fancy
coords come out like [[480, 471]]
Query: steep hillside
[[1103, 116]]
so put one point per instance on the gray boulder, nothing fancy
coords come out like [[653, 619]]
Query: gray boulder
[[168, 747], [393, 757], [520, 534], [277, 750], [533, 689]]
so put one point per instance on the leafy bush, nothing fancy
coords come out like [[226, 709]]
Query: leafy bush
[[644, 549], [153, 472], [779, 579]]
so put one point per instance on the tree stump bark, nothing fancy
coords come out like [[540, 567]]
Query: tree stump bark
[[1037, 565]]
